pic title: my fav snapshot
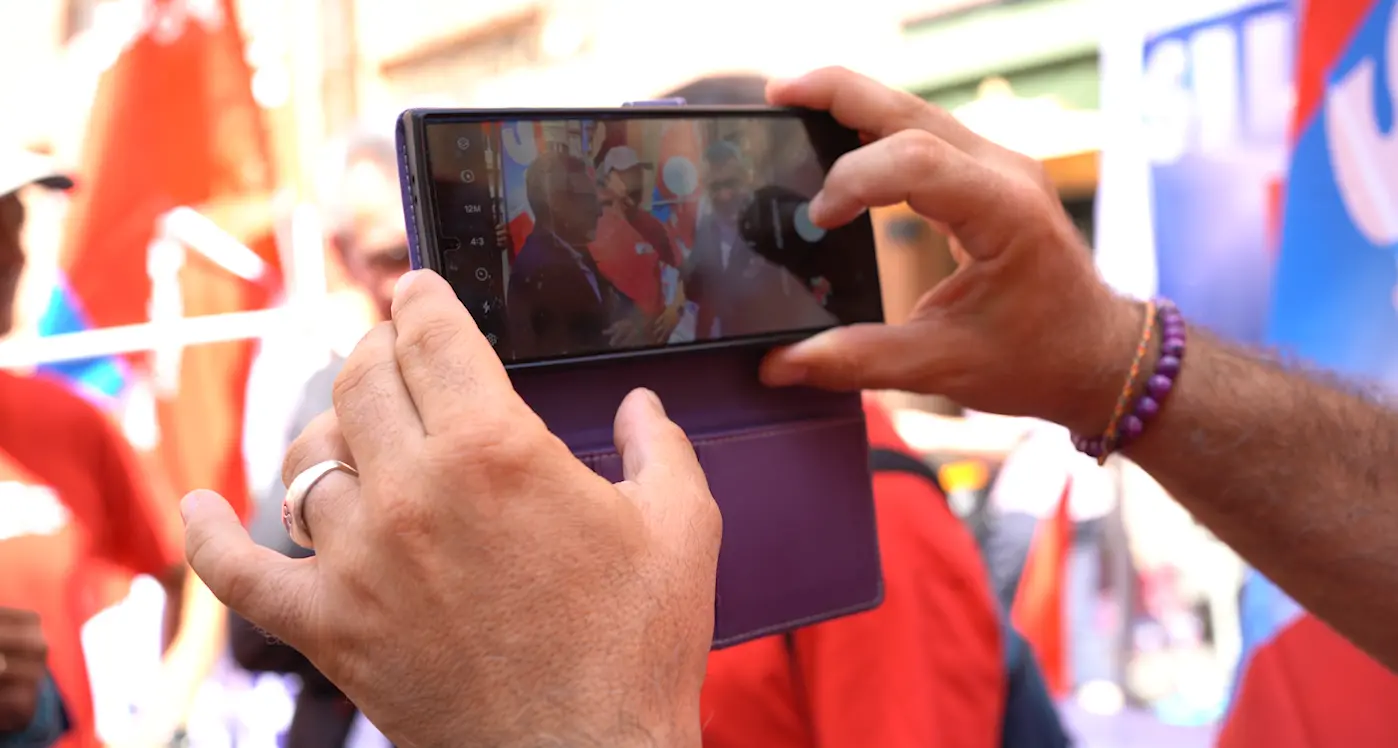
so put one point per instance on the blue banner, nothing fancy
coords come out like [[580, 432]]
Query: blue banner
[[1216, 106]]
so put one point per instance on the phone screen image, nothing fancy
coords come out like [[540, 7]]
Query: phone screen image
[[573, 238]]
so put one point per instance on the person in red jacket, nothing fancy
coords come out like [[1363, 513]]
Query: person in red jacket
[[923, 670]]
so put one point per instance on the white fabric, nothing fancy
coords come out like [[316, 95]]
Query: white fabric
[[1032, 477], [19, 167], [1124, 245]]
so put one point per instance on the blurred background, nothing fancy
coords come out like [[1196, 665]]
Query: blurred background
[[193, 280]]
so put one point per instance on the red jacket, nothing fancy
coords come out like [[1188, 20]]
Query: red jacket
[[924, 670]]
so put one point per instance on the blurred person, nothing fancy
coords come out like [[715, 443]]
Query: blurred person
[[737, 292], [633, 248], [364, 225], [550, 606], [1025, 493], [75, 506], [928, 667], [558, 301]]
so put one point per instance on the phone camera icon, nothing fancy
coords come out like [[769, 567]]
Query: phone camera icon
[[482, 274], [468, 176], [463, 143]]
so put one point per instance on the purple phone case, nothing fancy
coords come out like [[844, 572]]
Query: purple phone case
[[789, 469]]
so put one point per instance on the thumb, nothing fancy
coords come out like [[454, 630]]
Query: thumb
[[268, 589], [862, 357], [652, 447]]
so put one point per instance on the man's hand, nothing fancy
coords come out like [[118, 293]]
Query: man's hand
[[23, 661], [476, 584], [1023, 327], [1295, 473], [665, 324]]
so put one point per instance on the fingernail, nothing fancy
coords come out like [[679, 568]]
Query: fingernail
[[404, 280], [654, 400], [817, 209], [187, 505]]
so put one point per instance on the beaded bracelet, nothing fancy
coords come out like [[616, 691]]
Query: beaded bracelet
[[1125, 429]]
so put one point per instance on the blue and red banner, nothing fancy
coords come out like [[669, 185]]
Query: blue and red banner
[[1335, 303]]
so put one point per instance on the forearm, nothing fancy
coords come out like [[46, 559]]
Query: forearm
[[1296, 473]]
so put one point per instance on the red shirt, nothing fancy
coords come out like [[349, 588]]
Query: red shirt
[[72, 505], [629, 259], [923, 670]]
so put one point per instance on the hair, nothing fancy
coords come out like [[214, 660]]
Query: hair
[[734, 89], [542, 177], [360, 145]]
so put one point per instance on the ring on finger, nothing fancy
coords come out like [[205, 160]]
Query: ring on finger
[[294, 506]]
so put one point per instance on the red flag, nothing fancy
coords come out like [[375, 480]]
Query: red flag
[[1039, 611], [174, 125]]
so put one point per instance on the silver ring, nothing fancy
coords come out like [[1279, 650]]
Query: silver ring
[[294, 506]]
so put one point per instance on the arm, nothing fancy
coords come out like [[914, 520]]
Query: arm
[[1294, 472]]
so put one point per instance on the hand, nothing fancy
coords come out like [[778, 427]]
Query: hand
[[23, 662], [476, 584], [666, 323], [1023, 327]]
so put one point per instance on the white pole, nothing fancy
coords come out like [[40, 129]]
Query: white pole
[[114, 341], [169, 331]]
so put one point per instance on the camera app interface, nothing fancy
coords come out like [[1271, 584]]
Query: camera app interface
[[580, 237]]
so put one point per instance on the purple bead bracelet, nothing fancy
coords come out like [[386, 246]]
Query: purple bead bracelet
[[1161, 381]]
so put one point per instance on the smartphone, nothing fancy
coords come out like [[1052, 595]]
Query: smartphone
[[576, 235], [586, 242]]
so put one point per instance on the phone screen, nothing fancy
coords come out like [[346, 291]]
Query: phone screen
[[577, 237]]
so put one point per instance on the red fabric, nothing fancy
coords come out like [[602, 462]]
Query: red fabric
[[1038, 612], [1324, 32], [174, 124], [923, 670], [631, 263], [73, 505], [1310, 688]]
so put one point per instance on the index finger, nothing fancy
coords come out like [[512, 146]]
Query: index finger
[[862, 103], [447, 365]]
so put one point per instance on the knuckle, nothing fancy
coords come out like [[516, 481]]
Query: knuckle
[[427, 336], [302, 450], [357, 377], [918, 149]]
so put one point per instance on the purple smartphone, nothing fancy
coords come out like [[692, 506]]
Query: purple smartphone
[[670, 248]]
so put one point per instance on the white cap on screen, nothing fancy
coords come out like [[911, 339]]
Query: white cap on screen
[[620, 158], [20, 167]]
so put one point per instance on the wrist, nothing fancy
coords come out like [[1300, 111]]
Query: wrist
[[1099, 376]]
